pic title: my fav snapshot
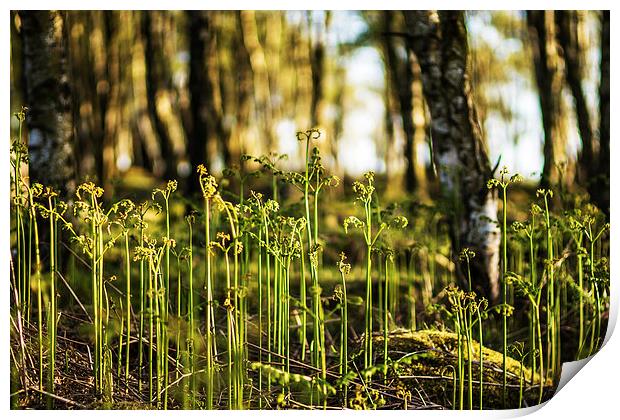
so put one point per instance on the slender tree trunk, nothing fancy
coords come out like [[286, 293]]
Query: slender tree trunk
[[301, 76], [48, 97], [567, 23], [420, 130], [390, 137], [128, 129], [87, 127], [224, 80], [338, 122], [98, 48], [156, 73], [317, 68], [548, 70], [198, 34], [439, 41], [218, 134], [600, 185], [274, 41], [262, 92], [112, 116], [135, 102], [17, 67], [401, 78], [243, 70]]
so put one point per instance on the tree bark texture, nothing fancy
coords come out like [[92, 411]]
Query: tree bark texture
[[439, 41], [48, 97]]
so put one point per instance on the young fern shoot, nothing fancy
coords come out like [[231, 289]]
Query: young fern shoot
[[208, 187], [364, 195], [503, 184], [344, 269]]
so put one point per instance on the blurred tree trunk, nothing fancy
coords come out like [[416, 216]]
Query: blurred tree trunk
[[274, 22], [388, 117], [87, 50], [600, 184], [17, 90], [243, 73], [48, 97], [401, 77], [419, 129], [338, 122], [226, 84], [439, 41], [199, 33], [404, 75], [135, 101], [548, 71], [113, 113], [258, 63], [98, 47], [158, 101], [318, 68], [568, 29], [128, 129], [218, 135], [301, 86]]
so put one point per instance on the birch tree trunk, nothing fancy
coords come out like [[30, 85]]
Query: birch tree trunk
[[439, 41], [48, 97]]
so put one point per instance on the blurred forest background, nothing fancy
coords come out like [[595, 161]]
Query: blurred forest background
[[446, 107], [155, 93]]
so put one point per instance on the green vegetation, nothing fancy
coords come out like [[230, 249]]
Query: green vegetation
[[261, 320]]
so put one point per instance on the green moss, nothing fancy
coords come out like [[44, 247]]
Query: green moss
[[423, 362]]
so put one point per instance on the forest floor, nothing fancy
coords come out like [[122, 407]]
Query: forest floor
[[421, 378]]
